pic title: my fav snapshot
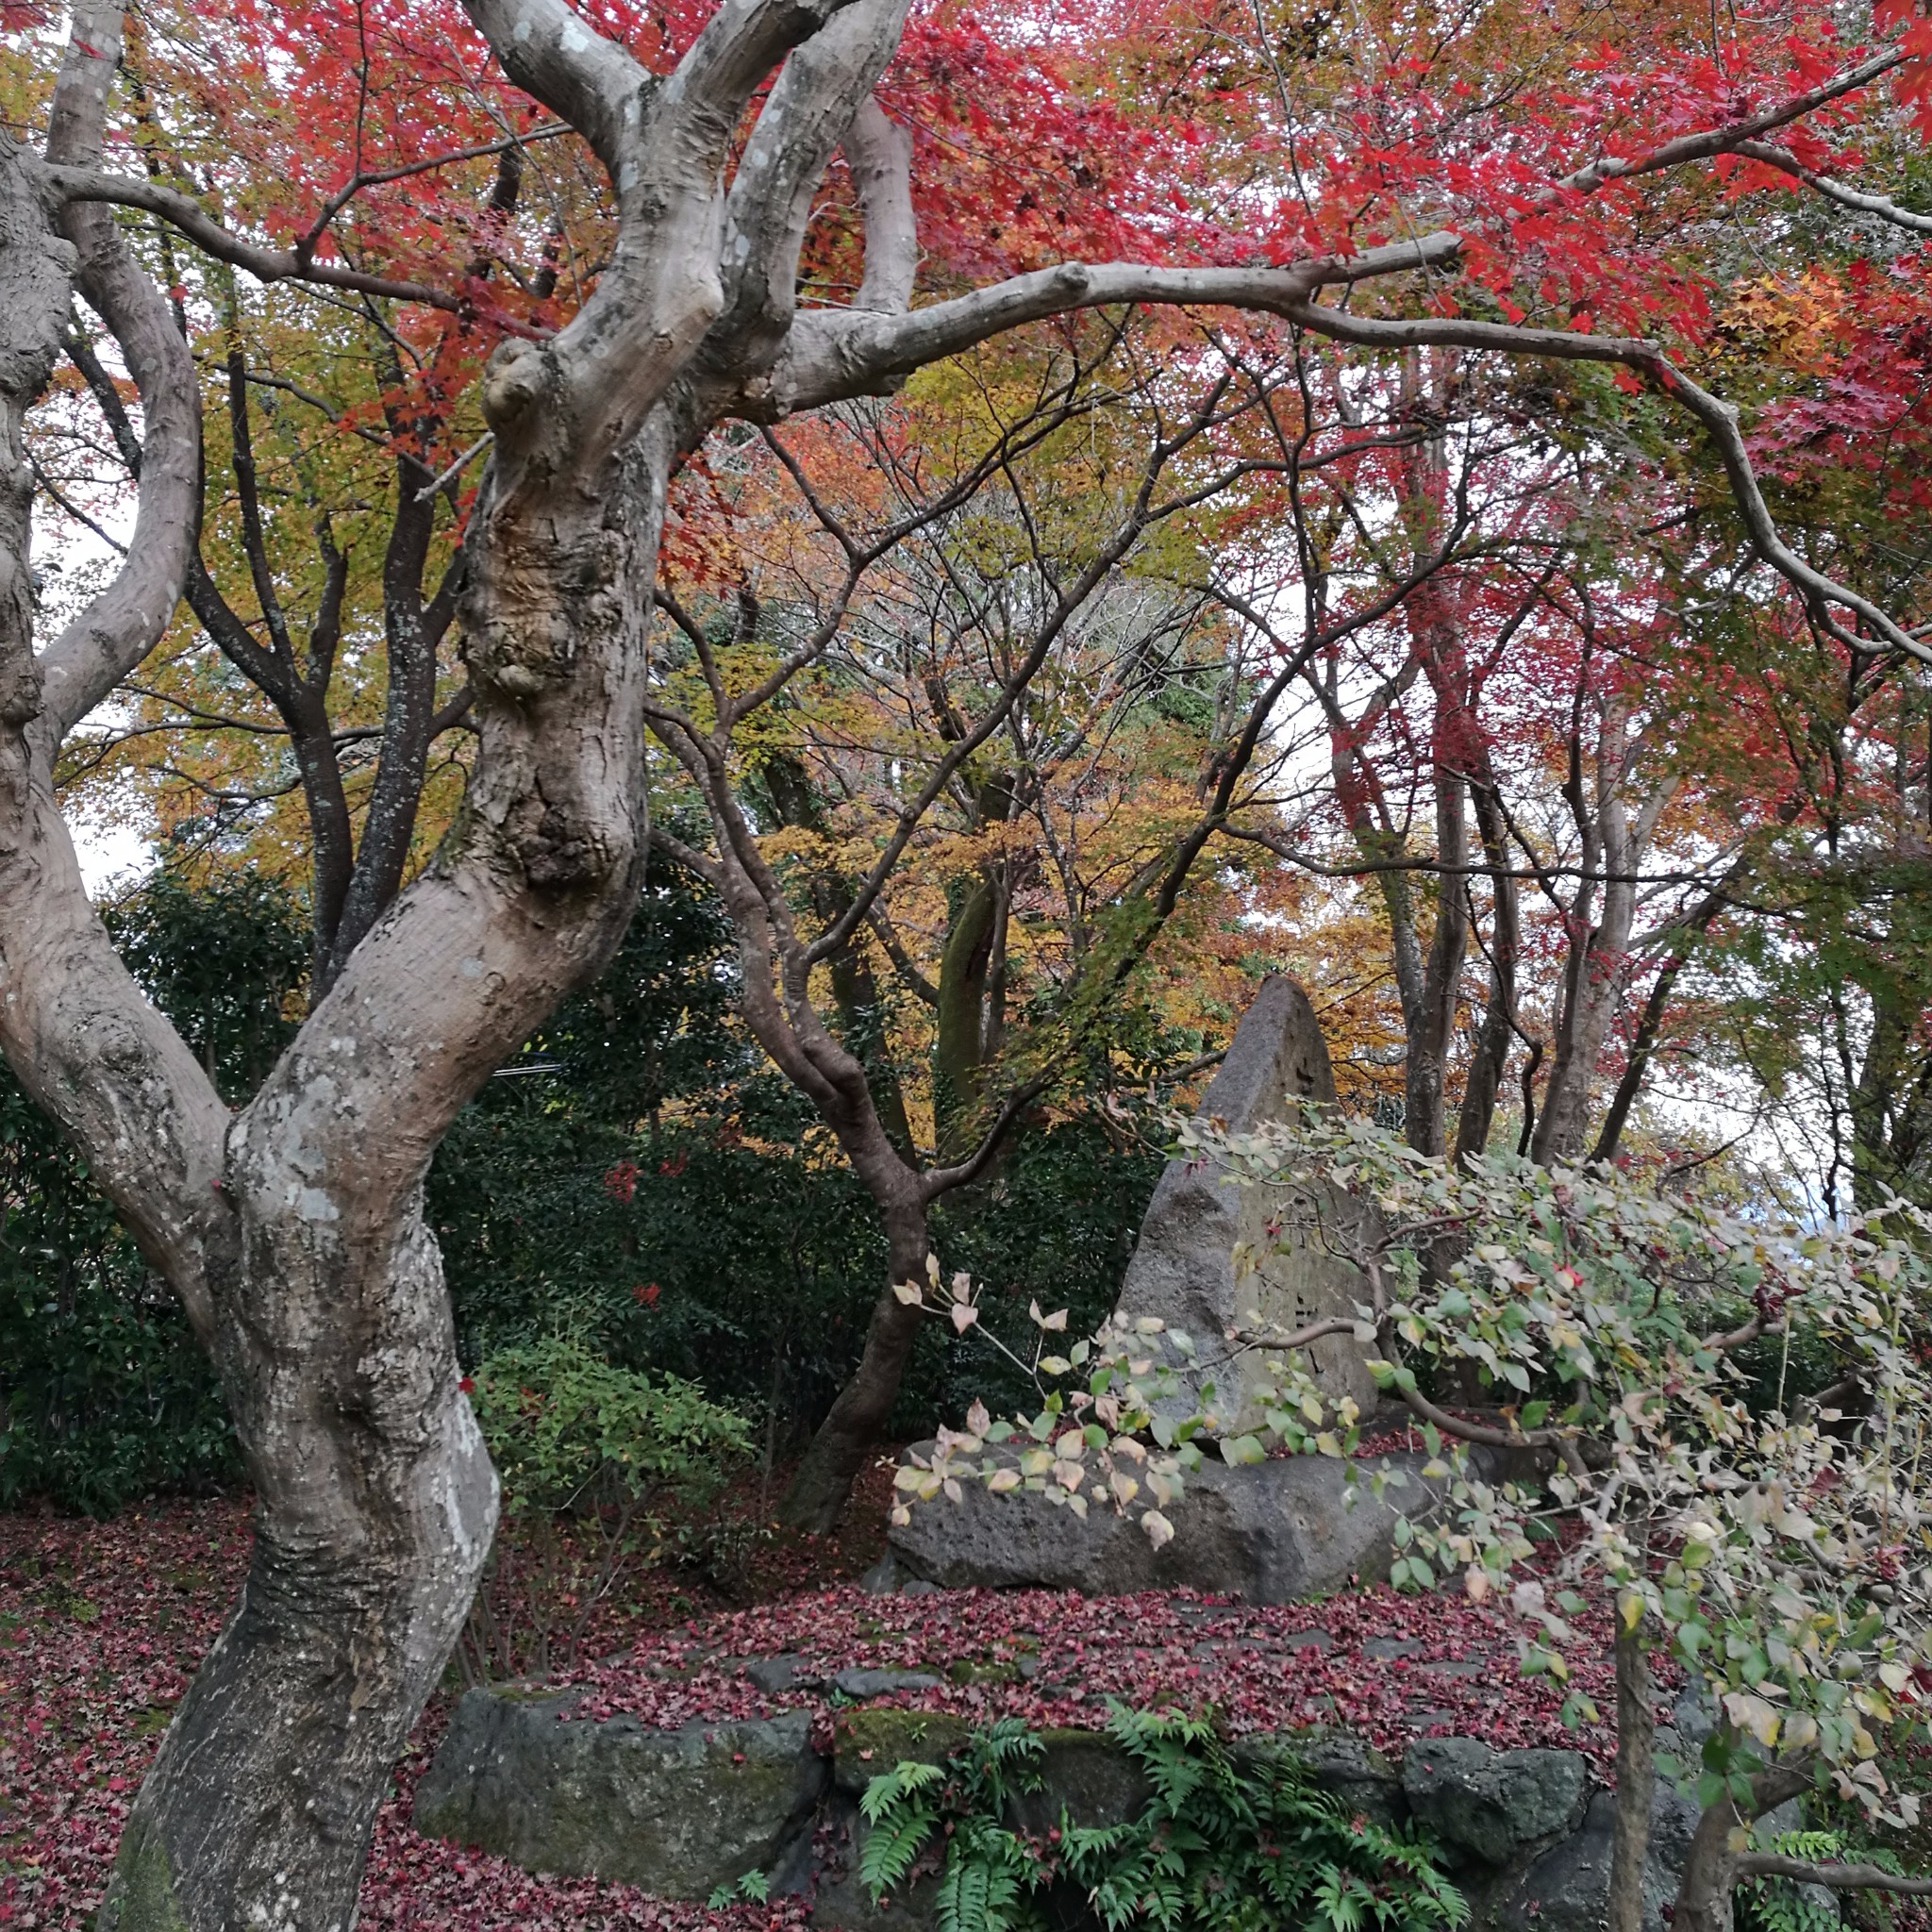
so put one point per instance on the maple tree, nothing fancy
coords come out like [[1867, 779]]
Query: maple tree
[[1505, 185], [1013, 649]]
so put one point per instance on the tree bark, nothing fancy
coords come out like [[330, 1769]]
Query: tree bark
[[823, 1481], [1709, 1879], [375, 1502], [376, 1505], [1431, 1027], [1636, 1776], [1485, 1079]]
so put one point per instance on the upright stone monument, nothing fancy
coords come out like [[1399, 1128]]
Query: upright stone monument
[[1270, 1531], [1183, 1267]]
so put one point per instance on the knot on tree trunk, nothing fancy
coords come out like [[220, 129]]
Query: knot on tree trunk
[[560, 852], [545, 601], [518, 376]]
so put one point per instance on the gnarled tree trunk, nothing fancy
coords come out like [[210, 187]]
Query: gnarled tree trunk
[[292, 1231]]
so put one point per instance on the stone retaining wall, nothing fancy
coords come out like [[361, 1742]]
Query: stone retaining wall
[[680, 1812]]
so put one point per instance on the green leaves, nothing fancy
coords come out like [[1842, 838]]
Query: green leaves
[[753, 1886], [566, 1426], [1221, 1845]]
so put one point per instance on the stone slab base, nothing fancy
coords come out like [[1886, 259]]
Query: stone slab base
[[682, 1812]]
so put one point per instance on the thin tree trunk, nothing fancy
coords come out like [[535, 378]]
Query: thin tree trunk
[[958, 1066], [1636, 1776], [1492, 1059], [823, 1479], [1431, 1023], [1643, 1046]]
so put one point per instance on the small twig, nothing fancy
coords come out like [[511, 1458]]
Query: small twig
[[455, 469]]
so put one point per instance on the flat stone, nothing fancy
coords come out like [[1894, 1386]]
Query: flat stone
[[774, 1675], [865, 1684], [677, 1813], [1382, 1647], [1490, 1804]]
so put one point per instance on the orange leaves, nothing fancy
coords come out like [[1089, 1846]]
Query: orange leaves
[[1803, 323]]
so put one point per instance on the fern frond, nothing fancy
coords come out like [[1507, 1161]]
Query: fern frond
[[890, 1787], [890, 1847]]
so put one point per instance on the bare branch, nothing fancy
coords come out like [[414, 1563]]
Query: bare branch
[[1855, 200], [833, 355], [360, 179], [1834, 1878], [809, 113], [553, 54], [118, 628], [265, 264], [1728, 139]]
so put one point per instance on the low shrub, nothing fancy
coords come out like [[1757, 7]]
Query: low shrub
[[596, 1461]]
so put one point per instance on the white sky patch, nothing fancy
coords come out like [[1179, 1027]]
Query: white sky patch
[[74, 564]]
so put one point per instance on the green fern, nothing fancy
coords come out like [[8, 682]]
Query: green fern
[[1777, 1905], [1223, 1844], [753, 1886], [891, 1846]]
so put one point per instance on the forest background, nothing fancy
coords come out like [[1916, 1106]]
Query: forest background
[[1453, 679], [1583, 833]]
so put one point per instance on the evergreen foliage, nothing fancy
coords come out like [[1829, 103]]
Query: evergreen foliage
[[1228, 1843]]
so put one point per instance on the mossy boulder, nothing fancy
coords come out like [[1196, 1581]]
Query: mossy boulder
[[868, 1741], [678, 1812]]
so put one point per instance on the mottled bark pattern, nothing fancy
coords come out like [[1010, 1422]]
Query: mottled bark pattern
[[292, 1231]]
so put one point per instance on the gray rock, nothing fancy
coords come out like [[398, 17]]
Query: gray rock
[[1341, 1763], [862, 1684], [1488, 1805], [884, 1578], [677, 1813], [1182, 1268], [774, 1674], [1270, 1532], [1086, 1775], [1567, 1889], [842, 1903], [1693, 1716]]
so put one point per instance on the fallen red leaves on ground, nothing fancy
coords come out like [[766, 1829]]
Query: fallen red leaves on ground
[[103, 1623], [1386, 1665]]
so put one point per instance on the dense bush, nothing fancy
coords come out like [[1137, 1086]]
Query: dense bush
[[595, 1461], [105, 1394], [636, 1169]]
